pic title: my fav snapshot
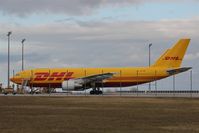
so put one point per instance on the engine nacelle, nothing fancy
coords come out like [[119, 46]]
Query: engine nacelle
[[71, 85]]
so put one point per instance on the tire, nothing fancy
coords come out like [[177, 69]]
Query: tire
[[91, 92], [97, 92], [100, 92]]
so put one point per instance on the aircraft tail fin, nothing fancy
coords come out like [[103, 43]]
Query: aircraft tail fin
[[173, 57]]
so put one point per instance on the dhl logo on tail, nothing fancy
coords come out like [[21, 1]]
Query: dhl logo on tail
[[172, 58]]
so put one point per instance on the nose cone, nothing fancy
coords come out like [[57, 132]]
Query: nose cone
[[12, 79], [16, 79]]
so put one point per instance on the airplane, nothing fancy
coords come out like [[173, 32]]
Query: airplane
[[74, 79]]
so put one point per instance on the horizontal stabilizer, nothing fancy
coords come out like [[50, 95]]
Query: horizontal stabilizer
[[178, 70]]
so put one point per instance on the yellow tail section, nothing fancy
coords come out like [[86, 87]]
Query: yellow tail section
[[173, 57]]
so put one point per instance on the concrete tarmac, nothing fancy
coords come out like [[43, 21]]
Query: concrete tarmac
[[116, 94]]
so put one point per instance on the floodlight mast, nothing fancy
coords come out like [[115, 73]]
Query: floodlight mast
[[150, 62], [22, 55], [9, 33]]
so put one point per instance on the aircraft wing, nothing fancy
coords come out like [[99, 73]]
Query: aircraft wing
[[97, 77], [178, 70]]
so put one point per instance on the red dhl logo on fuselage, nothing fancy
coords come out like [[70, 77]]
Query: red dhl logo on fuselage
[[172, 58], [58, 76]]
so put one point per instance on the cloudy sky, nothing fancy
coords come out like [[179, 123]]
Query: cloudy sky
[[98, 33]]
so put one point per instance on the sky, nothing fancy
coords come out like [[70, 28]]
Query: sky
[[98, 33]]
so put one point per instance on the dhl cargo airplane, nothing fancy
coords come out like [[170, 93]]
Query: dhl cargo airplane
[[84, 78]]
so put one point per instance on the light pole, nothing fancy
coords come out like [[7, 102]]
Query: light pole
[[150, 63], [191, 83], [9, 33], [174, 86], [150, 54], [22, 42]]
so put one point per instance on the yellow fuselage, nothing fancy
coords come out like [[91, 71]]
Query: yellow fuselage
[[123, 76]]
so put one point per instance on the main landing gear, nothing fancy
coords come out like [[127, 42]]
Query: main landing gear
[[96, 91]]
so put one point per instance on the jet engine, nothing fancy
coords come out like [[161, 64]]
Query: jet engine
[[70, 85]]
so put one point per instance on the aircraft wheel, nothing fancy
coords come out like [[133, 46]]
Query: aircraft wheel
[[97, 92], [92, 92], [100, 92]]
